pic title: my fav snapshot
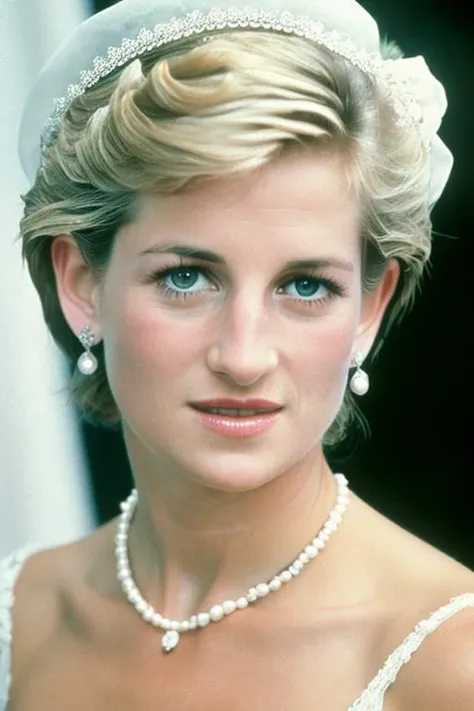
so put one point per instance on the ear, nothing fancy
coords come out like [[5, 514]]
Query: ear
[[78, 290], [374, 306]]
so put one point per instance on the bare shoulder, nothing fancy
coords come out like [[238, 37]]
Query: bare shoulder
[[36, 599], [43, 594], [424, 584], [440, 675]]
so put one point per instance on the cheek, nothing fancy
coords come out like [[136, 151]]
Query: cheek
[[145, 344], [322, 359]]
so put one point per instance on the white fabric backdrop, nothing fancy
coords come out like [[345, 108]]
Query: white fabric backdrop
[[44, 496]]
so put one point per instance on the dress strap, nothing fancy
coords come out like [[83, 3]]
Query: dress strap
[[372, 697]]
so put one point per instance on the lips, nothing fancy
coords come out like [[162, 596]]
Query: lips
[[239, 424], [236, 408], [228, 412]]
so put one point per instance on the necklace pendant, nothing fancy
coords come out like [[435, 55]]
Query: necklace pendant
[[170, 640]]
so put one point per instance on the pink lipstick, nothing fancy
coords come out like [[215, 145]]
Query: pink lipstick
[[237, 418]]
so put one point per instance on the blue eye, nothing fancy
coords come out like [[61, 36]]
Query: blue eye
[[184, 278], [308, 287], [178, 282]]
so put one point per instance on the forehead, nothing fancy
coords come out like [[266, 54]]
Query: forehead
[[301, 196]]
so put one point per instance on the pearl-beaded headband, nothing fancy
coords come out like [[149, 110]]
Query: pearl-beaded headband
[[129, 30]]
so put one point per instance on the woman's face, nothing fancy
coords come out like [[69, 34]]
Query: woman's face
[[271, 309]]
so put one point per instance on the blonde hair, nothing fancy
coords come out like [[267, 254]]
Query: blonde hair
[[197, 111]]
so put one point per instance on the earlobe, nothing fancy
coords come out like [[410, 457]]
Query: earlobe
[[76, 287]]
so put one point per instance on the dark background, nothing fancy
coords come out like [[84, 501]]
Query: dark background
[[416, 467]]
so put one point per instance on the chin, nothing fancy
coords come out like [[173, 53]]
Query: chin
[[232, 474], [236, 472]]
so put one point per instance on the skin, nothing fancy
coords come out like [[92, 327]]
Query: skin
[[205, 497], [217, 514]]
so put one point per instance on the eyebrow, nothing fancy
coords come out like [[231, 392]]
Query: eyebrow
[[207, 256]]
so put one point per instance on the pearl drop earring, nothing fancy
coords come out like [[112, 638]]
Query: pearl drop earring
[[87, 362], [359, 383]]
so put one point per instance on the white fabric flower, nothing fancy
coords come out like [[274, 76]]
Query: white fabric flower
[[428, 92]]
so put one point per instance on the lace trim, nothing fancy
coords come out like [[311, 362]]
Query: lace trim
[[10, 569], [372, 697]]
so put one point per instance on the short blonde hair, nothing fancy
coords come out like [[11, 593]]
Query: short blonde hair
[[198, 111]]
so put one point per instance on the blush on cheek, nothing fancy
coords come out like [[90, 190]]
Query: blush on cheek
[[322, 369], [148, 351], [331, 347]]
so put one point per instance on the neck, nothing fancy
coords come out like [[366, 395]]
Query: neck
[[191, 547]]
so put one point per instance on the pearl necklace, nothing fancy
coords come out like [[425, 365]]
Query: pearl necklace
[[173, 628]]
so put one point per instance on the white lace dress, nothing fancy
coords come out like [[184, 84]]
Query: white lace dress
[[371, 699]]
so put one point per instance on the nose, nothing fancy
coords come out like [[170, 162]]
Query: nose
[[243, 350]]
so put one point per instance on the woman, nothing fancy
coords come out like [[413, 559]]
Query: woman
[[225, 210]]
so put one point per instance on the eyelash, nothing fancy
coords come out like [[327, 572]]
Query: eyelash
[[158, 276]]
